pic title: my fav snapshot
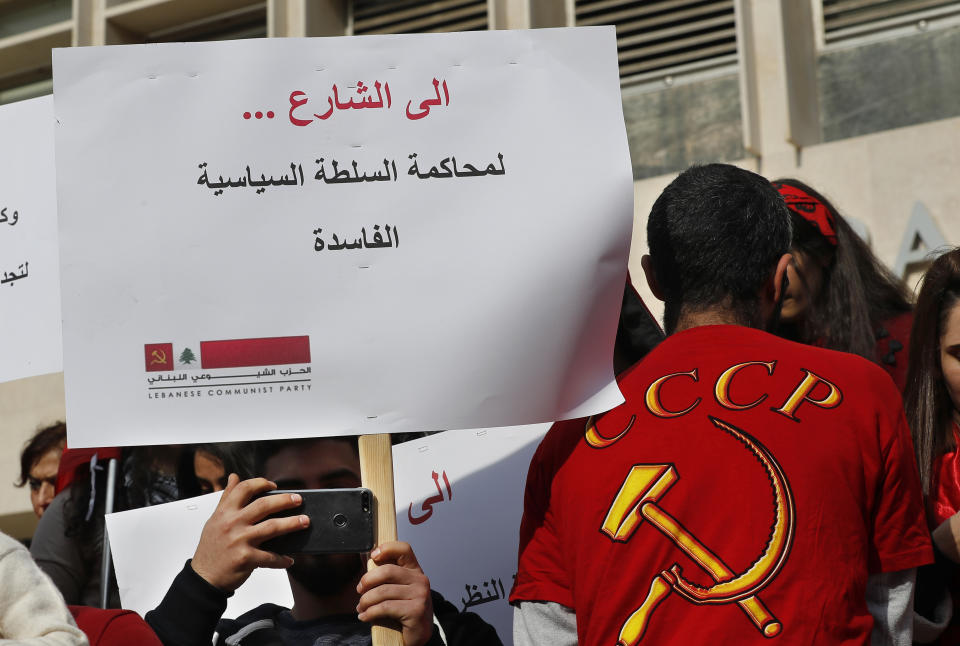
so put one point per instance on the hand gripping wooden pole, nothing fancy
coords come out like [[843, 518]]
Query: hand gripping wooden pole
[[376, 474]]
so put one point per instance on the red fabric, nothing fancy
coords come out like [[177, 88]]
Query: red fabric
[[113, 627], [844, 466], [810, 209], [237, 353], [893, 347], [945, 488], [944, 503], [75, 460]]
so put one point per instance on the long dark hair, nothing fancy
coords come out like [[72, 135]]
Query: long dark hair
[[926, 399], [236, 457], [858, 292]]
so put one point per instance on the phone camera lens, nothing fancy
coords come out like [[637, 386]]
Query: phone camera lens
[[340, 520]]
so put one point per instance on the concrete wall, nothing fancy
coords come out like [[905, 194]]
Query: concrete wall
[[672, 127], [890, 84], [877, 179]]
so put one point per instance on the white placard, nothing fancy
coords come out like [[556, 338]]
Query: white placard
[[459, 504], [30, 341], [463, 527], [228, 271], [150, 545]]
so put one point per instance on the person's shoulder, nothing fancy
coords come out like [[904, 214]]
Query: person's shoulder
[[266, 611], [561, 433], [558, 443], [10, 545], [51, 529], [462, 628], [899, 325], [854, 368], [55, 516]]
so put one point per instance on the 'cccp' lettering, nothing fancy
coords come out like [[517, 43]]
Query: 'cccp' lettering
[[802, 394], [655, 405], [722, 388]]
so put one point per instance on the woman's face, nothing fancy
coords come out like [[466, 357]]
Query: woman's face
[[209, 471], [950, 356], [805, 279]]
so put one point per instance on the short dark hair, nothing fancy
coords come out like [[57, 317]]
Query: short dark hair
[[51, 437], [715, 236]]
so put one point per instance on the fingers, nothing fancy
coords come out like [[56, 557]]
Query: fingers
[[404, 611], [274, 527], [390, 592], [392, 574], [397, 552], [244, 491], [266, 505], [262, 558], [232, 481]]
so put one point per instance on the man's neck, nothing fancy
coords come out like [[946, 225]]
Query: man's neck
[[308, 606], [714, 316]]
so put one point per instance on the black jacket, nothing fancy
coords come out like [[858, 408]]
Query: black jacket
[[190, 614]]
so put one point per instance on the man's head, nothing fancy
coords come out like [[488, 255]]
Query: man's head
[[321, 463], [718, 236], [39, 462]]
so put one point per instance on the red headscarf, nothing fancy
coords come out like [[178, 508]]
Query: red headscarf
[[810, 209]]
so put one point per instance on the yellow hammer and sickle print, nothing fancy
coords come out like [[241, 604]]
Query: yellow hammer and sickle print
[[638, 501], [159, 356]]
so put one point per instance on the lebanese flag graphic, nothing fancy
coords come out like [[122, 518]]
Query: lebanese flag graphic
[[244, 353]]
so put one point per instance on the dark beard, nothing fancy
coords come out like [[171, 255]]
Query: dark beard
[[325, 575]]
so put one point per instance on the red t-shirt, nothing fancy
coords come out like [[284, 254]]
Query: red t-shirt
[[944, 503], [747, 487], [945, 488], [893, 345]]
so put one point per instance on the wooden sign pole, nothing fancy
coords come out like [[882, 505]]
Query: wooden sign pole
[[376, 474]]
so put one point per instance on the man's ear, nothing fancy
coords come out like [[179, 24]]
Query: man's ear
[[780, 276], [652, 283]]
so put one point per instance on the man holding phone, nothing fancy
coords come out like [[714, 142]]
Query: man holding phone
[[335, 601]]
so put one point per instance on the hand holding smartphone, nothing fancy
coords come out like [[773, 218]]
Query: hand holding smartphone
[[341, 520]]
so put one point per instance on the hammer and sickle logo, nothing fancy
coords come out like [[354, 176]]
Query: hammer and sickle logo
[[159, 356], [637, 501]]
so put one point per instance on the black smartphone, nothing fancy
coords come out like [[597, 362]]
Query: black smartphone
[[341, 520]]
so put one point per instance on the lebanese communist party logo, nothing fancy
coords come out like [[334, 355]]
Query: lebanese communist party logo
[[234, 353]]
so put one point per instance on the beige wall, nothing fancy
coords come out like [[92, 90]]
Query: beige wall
[[876, 179], [25, 406]]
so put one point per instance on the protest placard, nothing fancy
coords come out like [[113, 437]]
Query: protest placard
[[150, 545], [30, 341], [300, 237], [459, 504]]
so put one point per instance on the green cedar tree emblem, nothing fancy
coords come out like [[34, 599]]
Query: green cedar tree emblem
[[187, 356]]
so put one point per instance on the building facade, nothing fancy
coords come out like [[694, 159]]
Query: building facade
[[859, 98]]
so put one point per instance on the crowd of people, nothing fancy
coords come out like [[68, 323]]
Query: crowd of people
[[785, 465]]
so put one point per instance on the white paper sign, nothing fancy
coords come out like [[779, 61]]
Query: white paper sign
[[459, 504], [463, 526], [150, 545], [302, 237], [30, 341]]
